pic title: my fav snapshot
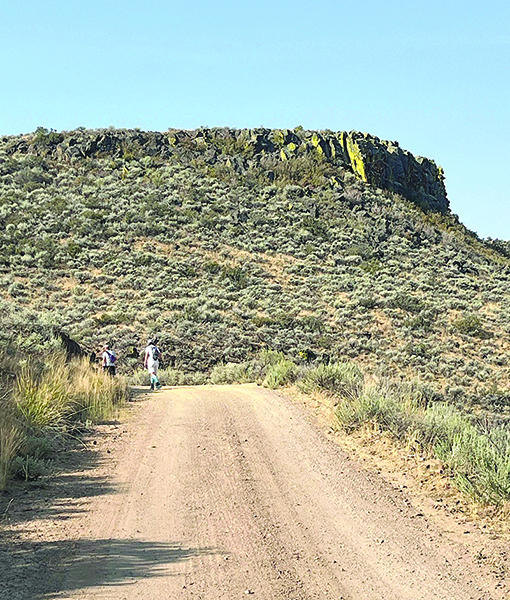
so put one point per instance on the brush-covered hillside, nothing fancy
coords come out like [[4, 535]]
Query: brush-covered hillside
[[323, 245]]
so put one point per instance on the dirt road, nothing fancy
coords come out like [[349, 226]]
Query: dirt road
[[226, 492]]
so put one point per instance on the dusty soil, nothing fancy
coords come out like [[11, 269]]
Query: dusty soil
[[226, 492]]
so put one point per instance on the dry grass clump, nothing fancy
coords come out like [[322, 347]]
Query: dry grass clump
[[46, 402], [96, 396], [10, 440], [62, 393]]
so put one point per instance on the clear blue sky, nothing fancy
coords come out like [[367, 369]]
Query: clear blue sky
[[434, 76]]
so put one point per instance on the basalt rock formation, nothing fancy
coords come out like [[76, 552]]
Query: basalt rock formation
[[381, 163]]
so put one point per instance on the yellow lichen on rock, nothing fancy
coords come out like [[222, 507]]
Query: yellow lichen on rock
[[356, 158], [278, 137]]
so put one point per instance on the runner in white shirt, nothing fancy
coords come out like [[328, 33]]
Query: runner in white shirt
[[151, 362]]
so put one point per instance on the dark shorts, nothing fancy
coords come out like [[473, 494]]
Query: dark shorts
[[110, 370]]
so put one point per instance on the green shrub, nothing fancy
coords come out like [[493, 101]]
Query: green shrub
[[392, 411], [406, 302], [395, 407], [236, 276], [470, 324], [29, 467], [281, 373], [232, 373], [369, 301], [341, 379], [371, 266], [139, 377], [195, 378], [267, 358], [479, 460]]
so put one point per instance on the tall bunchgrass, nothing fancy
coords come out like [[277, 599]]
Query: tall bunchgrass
[[42, 397], [95, 395], [11, 436], [48, 400], [11, 439], [62, 393]]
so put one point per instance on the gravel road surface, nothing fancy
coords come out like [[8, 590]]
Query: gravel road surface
[[229, 492]]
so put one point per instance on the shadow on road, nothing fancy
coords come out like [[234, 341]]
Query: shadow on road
[[40, 571], [63, 496], [27, 506]]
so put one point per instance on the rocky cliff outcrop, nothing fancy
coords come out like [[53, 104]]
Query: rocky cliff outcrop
[[387, 166], [380, 163]]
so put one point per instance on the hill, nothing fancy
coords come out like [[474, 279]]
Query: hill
[[323, 245]]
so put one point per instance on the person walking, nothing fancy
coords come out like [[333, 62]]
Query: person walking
[[109, 360], [151, 362]]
